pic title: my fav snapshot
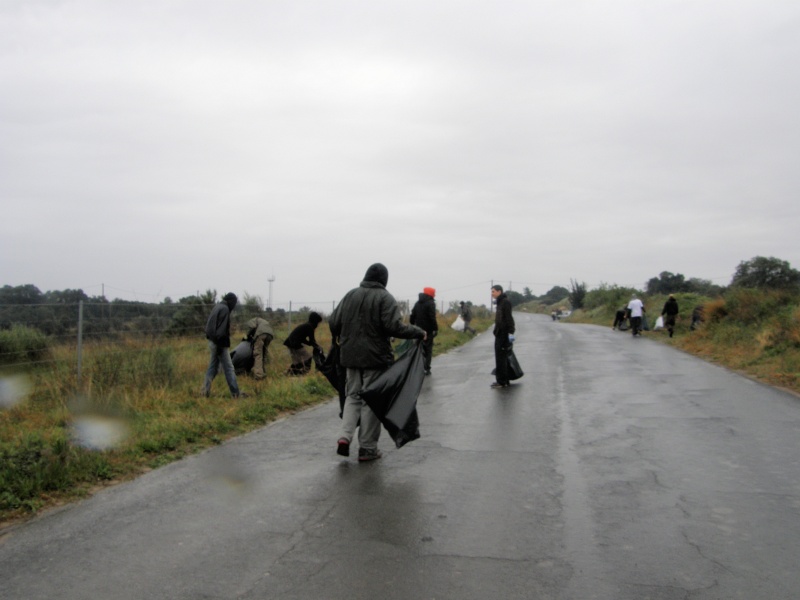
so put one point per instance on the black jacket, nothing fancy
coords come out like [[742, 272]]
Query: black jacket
[[363, 323], [218, 326], [670, 307], [424, 314], [503, 320], [302, 334]]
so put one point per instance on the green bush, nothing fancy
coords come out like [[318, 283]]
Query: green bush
[[22, 344], [32, 466]]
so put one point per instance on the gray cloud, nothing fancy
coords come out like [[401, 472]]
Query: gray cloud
[[167, 147]]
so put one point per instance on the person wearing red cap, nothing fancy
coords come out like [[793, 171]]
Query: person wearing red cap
[[423, 315]]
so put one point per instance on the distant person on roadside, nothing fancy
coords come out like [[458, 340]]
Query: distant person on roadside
[[670, 314], [423, 315], [503, 336], [302, 335], [363, 324], [218, 334], [635, 312], [466, 316], [619, 318], [260, 334], [697, 317]]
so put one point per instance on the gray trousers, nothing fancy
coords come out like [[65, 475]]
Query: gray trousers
[[355, 408]]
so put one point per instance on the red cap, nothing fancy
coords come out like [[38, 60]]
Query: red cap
[[430, 291]]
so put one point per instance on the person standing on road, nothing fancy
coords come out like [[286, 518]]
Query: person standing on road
[[218, 334], [423, 315], [362, 325], [260, 334], [466, 316], [503, 336], [670, 314], [635, 312], [302, 335]]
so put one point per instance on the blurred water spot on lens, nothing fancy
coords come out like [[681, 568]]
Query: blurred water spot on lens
[[13, 390], [98, 432], [228, 474]]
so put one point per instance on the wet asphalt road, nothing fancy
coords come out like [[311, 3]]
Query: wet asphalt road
[[616, 469]]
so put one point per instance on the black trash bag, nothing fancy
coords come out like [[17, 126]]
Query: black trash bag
[[335, 374], [514, 370], [242, 357], [393, 396]]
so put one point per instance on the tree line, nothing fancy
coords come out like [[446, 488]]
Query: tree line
[[56, 313], [759, 272]]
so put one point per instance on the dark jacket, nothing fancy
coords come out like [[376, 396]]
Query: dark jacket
[[466, 313], [424, 314], [670, 307], [503, 320], [363, 323], [302, 334], [218, 326]]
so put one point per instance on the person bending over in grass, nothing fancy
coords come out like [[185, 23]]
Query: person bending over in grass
[[302, 335]]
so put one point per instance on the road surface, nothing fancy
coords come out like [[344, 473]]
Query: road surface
[[616, 469]]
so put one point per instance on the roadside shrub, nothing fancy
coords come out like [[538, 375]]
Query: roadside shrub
[[715, 310], [22, 344], [754, 306], [32, 466], [611, 296]]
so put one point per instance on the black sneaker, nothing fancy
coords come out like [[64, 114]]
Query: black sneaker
[[343, 447], [365, 454]]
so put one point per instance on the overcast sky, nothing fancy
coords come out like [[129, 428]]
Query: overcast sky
[[157, 148]]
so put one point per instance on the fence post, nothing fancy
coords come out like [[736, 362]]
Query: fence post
[[290, 315], [80, 340]]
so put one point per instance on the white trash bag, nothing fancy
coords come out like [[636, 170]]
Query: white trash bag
[[458, 324], [659, 323]]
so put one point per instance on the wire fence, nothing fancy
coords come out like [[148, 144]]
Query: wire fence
[[57, 336]]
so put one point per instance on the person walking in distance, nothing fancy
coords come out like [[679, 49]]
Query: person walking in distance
[[423, 315], [670, 314], [635, 311], [466, 316], [362, 325], [218, 334], [503, 336]]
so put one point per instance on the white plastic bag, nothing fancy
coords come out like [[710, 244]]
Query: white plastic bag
[[458, 324], [659, 323]]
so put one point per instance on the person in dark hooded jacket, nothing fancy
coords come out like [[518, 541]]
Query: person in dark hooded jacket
[[423, 315], [504, 328], [670, 314], [362, 325], [302, 335], [218, 334]]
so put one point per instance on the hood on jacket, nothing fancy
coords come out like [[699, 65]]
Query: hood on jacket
[[377, 273], [230, 299]]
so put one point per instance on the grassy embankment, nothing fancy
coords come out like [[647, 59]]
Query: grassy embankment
[[151, 391], [756, 332]]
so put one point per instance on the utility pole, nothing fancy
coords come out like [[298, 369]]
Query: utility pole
[[270, 279]]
